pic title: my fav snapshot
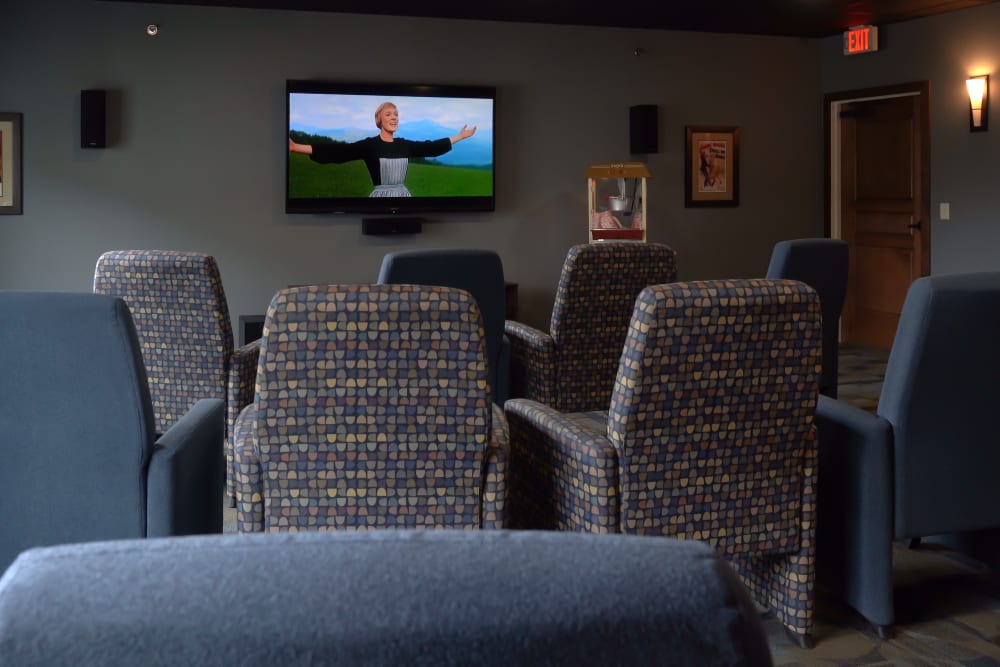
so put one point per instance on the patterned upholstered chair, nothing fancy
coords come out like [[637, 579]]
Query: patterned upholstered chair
[[821, 264], [182, 317], [925, 464], [81, 461], [572, 368], [709, 436], [480, 273], [372, 411]]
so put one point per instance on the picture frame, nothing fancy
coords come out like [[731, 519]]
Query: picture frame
[[10, 164], [711, 166]]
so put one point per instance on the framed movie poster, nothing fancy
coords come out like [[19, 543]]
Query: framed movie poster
[[711, 166], [10, 164]]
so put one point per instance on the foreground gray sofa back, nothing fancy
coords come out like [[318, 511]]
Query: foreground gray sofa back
[[379, 598]]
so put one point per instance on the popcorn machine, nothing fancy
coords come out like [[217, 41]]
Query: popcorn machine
[[617, 201]]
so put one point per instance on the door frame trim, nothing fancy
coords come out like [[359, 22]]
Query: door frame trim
[[831, 107]]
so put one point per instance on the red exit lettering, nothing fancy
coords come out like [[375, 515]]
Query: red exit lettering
[[858, 41], [862, 39]]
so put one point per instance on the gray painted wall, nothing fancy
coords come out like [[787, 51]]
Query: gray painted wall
[[965, 171], [199, 147]]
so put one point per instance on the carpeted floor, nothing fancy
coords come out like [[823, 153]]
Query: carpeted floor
[[228, 519], [947, 613], [861, 371]]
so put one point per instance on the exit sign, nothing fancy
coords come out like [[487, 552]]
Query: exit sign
[[860, 39]]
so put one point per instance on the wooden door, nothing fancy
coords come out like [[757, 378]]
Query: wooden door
[[883, 203]]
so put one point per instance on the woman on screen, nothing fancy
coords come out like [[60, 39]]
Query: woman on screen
[[386, 157]]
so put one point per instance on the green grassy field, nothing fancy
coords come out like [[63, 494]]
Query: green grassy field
[[309, 179]]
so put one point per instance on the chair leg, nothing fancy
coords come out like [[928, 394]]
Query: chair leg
[[800, 640], [883, 632]]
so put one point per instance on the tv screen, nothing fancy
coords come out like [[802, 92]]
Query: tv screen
[[386, 149]]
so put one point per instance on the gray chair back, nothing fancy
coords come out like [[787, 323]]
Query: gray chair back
[[77, 421], [940, 395]]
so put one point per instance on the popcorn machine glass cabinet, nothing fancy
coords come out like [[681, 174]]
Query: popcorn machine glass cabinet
[[617, 201]]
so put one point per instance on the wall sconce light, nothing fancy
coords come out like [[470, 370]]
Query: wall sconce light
[[979, 102]]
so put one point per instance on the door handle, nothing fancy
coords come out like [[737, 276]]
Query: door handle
[[915, 225]]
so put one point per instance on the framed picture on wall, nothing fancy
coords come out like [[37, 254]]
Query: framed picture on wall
[[711, 166], [10, 164]]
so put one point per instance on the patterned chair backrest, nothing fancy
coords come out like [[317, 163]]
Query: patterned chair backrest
[[712, 412], [479, 272], [373, 407], [182, 319], [594, 301]]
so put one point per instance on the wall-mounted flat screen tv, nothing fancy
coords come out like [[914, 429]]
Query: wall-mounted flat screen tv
[[386, 149]]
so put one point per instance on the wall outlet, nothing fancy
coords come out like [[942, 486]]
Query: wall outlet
[[944, 212]]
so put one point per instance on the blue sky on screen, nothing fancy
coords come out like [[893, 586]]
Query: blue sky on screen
[[334, 111]]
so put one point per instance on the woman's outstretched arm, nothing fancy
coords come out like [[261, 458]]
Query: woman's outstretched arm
[[464, 133], [299, 148]]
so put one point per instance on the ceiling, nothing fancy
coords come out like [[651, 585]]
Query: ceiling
[[800, 18]]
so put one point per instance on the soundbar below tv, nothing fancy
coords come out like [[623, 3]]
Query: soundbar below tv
[[389, 148]]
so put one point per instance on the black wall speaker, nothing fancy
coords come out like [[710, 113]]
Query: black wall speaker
[[380, 226], [93, 114], [642, 129]]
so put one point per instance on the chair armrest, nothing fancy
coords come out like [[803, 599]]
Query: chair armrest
[[855, 507], [496, 468], [240, 392], [242, 376], [186, 476], [532, 363], [563, 475], [247, 483]]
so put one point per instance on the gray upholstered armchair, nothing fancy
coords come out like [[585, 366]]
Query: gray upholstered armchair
[[709, 437], [926, 463], [372, 411], [81, 460], [572, 366], [478, 272], [182, 317]]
